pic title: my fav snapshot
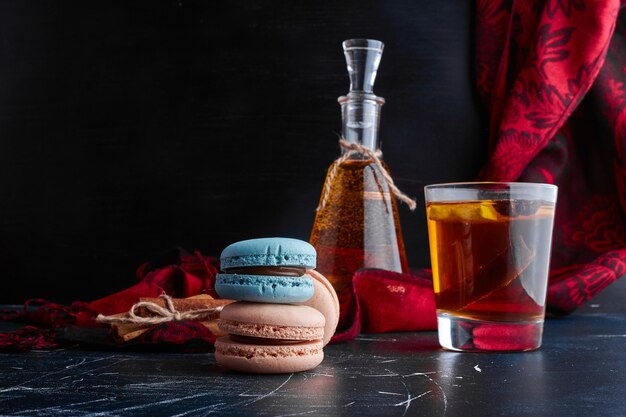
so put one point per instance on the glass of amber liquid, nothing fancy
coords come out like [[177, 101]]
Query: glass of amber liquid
[[490, 251]]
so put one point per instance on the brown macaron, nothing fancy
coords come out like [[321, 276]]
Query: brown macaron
[[324, 300], [272, 321], [268, 356]]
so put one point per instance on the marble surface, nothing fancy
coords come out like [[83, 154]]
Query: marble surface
[[578, 371]]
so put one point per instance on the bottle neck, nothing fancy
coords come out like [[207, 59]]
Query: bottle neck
[[360, 113]]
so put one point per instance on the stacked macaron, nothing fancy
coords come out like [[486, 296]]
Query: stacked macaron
[[285, 312]]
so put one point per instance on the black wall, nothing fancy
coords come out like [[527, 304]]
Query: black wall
[[128, 129]]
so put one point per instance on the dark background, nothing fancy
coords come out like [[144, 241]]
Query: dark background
[[128, 129]]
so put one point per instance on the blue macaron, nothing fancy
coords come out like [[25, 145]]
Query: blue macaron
[[269, 251], [264, 288], [266, 252]]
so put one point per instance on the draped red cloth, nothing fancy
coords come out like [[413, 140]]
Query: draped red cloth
[[550, 75]]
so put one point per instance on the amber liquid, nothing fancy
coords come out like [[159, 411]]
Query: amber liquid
[[358, 227], [490, 259]]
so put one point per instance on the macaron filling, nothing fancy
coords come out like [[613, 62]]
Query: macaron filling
[[279, 271]]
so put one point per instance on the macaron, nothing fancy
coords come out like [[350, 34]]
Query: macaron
[[272, 321], [268, 251], [263, 358], [267, 270], [264, 288], [270, 338], [324, 300]]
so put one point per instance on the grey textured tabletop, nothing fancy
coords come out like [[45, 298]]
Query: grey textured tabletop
[[580, 370]]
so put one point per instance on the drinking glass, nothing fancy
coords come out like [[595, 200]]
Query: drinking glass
[[490, 250]]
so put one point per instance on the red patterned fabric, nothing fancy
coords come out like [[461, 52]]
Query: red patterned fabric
[[29, 338], [391, 301], [187, 275], [550, 74]]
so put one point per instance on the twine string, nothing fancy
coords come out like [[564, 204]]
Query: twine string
[[161, 314], [354, 149]]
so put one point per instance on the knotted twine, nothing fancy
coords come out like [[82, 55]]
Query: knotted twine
[[357, 149], [162, 315]]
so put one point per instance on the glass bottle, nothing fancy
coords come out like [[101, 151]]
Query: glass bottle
[[357, 224]]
